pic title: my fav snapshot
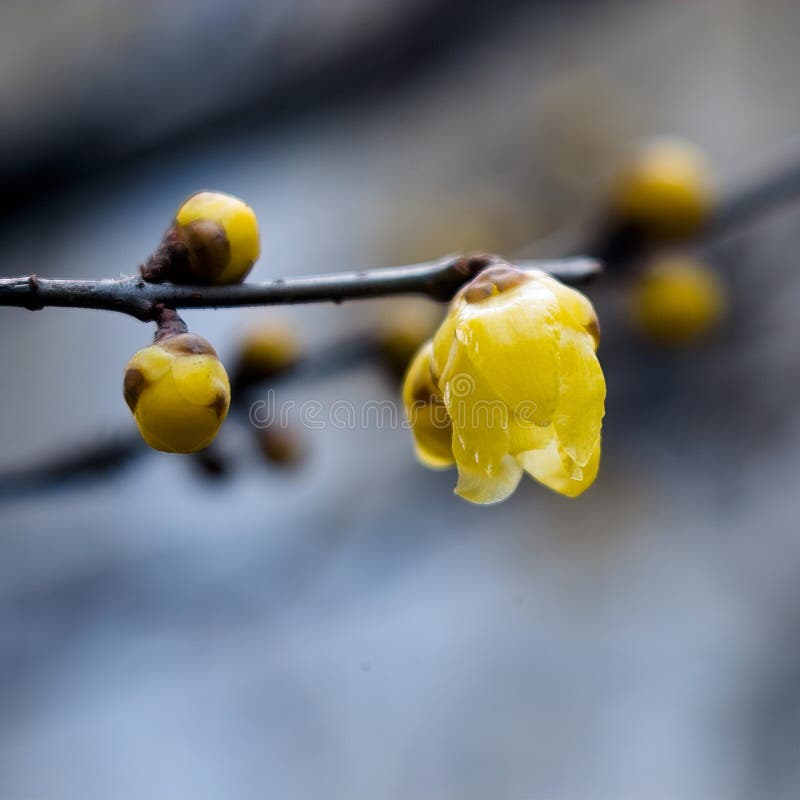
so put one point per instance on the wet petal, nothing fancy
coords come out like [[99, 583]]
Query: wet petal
[[582, 391], [512, 341], [575, 304], [553, 469], [480, 443], [481, 486]]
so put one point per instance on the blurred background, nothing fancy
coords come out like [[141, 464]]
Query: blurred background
[[319, 616]]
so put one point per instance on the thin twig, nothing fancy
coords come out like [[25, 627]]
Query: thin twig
[[756, 199], [438, 280], [103, 455], [618, 246]]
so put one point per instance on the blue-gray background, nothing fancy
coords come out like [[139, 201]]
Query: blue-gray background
[[349, 628]]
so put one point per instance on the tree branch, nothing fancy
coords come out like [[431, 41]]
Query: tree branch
[[756, 199], [134, 296]]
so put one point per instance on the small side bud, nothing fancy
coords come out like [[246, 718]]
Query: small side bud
[[266, 350], [665, 191], [677, 301], [281, 447], [213, 239]]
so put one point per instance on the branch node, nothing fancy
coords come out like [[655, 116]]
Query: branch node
[[457, 270], [33, 288]]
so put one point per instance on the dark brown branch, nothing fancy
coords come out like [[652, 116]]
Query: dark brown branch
[[438, 280]]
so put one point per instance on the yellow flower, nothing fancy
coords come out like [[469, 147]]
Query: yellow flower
[[678, 300], [220, 233], [514, 365], [178, 392], [667, 189]]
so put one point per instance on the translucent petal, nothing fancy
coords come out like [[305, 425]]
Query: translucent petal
[[482, 487], [575, 304], [479, 417], [512, 341], [480, 442], [523, 436], [433, 438], [551, 468], [582, 391], [426, 412], [445, 343]]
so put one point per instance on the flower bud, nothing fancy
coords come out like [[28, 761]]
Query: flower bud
[[666, 191], [178, 392], [266, 350], [213, 240], [514, 365], [677, 301], [281, 447]]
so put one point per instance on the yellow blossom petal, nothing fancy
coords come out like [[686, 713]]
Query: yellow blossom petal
[[426, 412], [511, 340], [478, 486], [549, 467], [574, 303], [582, 392], [480, 419]]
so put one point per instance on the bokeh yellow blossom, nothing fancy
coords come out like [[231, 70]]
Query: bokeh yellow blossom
[[268, 348], [666, 189], [677, 301]]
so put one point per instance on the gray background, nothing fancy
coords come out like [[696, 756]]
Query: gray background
[[350, 628]]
